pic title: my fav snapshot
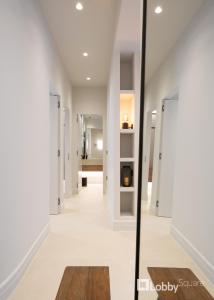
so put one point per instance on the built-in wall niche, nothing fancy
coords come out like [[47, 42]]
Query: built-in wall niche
[[126, 71], [126, 145], [127, 112], [127, 203], [127, 174]]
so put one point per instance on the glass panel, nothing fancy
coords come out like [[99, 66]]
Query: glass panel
[[174, 229]]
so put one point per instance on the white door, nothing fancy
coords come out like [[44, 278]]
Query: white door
[[167, 158], [67, 150], [146, 157], [54, 155]]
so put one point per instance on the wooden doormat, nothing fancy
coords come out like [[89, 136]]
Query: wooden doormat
[[188, 286], [85, 283]]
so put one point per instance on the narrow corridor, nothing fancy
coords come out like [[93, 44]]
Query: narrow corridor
[[81, 236]]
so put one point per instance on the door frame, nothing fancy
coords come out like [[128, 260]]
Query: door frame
[[55, 202], [146, 157], [79, 151], [67, 176]]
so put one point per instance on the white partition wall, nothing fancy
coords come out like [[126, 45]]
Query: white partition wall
[[123, 136]]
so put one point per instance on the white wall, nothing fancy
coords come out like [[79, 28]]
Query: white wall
[[88, 101], [29, 68], [113, 135], [113, 139], [189, 69], [127, 41]]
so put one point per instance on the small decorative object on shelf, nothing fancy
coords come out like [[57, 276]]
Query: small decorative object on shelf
[[125, 124], [126, 176], [132, 126]]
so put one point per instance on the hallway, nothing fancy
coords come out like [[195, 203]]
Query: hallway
[[81, 236], [66, 66]]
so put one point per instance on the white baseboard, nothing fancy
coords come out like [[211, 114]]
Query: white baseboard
[[196, 255], [9, 284]]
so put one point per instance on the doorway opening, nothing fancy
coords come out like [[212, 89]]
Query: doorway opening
[[91, 149], [149, 157]]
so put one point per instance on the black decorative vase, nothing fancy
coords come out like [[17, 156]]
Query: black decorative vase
[[126, 176]]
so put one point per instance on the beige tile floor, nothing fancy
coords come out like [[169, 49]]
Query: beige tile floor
[[81, 235]]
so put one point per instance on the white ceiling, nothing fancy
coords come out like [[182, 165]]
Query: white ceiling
[[165, 29], [91, 30], [162, 30], [129, 23]]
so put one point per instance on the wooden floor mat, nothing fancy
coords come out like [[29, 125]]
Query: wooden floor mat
[[85, 283]]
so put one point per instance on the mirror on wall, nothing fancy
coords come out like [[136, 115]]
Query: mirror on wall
[[91, 142], [177, 69]]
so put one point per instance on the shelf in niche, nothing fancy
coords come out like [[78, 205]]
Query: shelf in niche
[[127, 159], [127, 203], [127, 131], [127, 92], [127, 189], [126, 145], [127, 111]]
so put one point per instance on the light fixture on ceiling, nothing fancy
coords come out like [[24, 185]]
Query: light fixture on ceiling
[[88, 78], [79, 5], [158, 9], [85, 54]]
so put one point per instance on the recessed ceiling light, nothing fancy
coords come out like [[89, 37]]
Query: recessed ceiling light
[[79, 5], [158, 10], [88, 78], [85, 54]]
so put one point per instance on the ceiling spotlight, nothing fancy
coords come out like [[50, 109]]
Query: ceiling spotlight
[[88, 78], [158, 10], [85, 54], [79, 5]]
